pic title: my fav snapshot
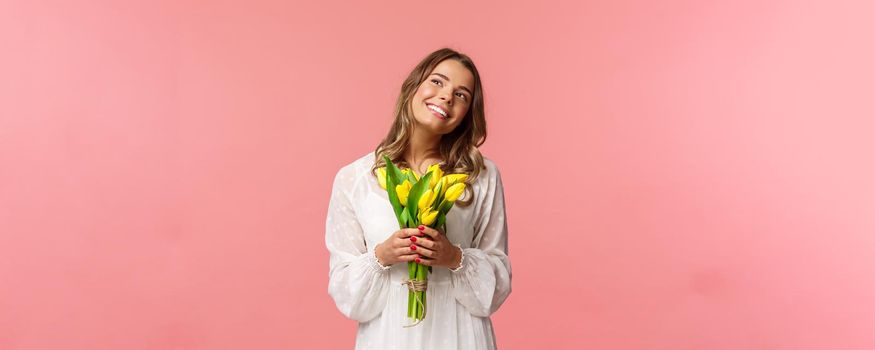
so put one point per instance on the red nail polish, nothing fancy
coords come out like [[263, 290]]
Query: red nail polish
[[413, 239], [417, 260], [412, 247], [421, 228]]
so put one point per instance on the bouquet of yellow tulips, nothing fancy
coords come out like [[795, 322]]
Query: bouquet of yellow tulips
[[420, 201]]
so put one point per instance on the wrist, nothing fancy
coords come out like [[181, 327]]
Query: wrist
[[456, 263], [378, 257]]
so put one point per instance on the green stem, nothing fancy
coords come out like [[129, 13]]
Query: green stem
[[411, 296], [421, 275]]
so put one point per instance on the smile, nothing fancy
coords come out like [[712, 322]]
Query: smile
[[437, 111]]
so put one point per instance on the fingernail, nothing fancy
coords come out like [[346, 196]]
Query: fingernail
[[417, 260], [421, 227], [413, 239], [412, 247]]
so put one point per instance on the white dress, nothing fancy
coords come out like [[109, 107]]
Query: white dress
[[459, 303]]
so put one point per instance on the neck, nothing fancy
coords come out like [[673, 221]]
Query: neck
[[422, 146]]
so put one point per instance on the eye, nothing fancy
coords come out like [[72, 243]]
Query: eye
[[438, 82], [463, 96]]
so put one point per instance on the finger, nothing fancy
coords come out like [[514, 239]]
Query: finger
[[405, 251], [408, 257], [413, 248], [423, 242], [429, 231], [407, 232], [429, 253], [406, 240], [400, 242], [424, 261]]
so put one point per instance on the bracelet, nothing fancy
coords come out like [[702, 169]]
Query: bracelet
[[462, 260]]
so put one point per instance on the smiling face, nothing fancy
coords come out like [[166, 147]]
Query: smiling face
[[448, 88]]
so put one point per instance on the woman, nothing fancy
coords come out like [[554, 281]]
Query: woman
[[439, 119]]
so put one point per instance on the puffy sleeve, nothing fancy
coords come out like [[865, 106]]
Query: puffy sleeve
[[482, 283], [357, 282]]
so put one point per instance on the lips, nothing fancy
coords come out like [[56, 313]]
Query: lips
[[436, 113]]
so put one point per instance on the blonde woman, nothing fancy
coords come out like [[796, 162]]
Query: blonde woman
[[439, 119]]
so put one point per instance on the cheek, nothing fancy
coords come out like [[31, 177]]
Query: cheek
[[425, 91], [461, 110]]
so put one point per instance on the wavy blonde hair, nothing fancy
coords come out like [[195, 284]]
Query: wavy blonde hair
[[458, 148]]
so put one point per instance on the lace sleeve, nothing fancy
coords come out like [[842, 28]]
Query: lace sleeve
[[358, 283], [483, 281]]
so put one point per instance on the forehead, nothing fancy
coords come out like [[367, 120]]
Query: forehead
[[456, 72]]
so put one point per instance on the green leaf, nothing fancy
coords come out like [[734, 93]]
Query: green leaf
[[440, 220], [393, 171], [405, 218], [392, 178], [440, 197], [416, 192], [411, 177], [446, 206], [393, 199]]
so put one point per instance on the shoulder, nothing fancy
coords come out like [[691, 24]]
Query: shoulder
[[490, 164], [357, 165], [352, 172], [490, 170], [489, 178]]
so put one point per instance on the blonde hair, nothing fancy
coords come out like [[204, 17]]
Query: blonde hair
[[458, 148]]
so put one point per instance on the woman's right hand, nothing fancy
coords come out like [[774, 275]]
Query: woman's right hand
[[398, 247]]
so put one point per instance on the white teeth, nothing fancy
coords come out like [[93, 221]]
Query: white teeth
[[436, 109]]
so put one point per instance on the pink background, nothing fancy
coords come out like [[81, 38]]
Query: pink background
[[679, 175]]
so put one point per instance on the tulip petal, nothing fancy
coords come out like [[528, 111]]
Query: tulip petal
[[456, 178], [381, 177], [403, 191], [454, 192]]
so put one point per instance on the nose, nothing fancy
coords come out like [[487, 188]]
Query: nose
[[444, 95]]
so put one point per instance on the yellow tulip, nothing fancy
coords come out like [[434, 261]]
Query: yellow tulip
[[442, 183], [436, 175], [427, 216], [427, 199], [408, 171], [381, 176], [456, 178], [403, 190], [454, 192]]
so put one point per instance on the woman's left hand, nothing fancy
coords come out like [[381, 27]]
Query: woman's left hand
[[435, 249]]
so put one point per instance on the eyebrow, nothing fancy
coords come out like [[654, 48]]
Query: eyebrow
[[448, 79]]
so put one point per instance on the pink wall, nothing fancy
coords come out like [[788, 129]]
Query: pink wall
[[165, 168]]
